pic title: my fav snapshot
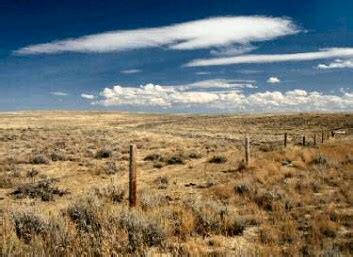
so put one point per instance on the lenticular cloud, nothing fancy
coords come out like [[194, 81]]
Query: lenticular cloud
[[205, 33]]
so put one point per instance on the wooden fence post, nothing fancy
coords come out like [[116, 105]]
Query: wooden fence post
[[304, 140], [322, 137], [315, 139], [132, 177], [247, 150], [332, 134], [285, 139]]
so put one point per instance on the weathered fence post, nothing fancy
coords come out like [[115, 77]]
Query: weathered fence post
[[247, 150], [315, 139], [285, 140], [332, 134], [322, 137], [132, 177], [304, 140]]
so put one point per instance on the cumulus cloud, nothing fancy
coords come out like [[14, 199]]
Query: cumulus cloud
[[273, 80], [131, 71], [212, 32], [270, 58], [337, 64], [57, 93], [188, 99], [87, 96]]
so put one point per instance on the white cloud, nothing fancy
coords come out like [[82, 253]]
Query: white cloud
[[200, 99], [205, 33], [270, 58], [337, 64], [59, 93], [131, 71], [202, 73], [233, 50], [273, 80], [218, 84], [87, 96]]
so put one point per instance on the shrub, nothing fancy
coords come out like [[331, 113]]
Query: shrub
[[162, 182], [218, 159], [6, 181], [149, 201], [236, 227], [320, 159], [209, 217], [84, 215], [154, 157], [176, 159], [57, 156], [141, 231], [266, 199], [104, 153], [40, 159], [32, 173], [42, 190], [114, 193], [157, 165], [242, 188], [111, 168], [194, 155], [28, 225]]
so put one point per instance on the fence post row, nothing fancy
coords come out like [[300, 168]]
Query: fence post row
[[132, 177]]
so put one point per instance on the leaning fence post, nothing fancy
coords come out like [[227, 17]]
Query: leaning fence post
[[304, 140], [132, 176], [285, 140], [247, 150]]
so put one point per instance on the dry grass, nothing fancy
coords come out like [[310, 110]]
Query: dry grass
[[63, 185]]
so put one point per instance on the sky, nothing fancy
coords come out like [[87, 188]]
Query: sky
[[236, 56]]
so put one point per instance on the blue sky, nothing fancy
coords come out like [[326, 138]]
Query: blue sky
[[182, 56]]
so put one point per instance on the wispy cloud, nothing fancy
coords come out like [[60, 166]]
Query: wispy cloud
[[337, 64], [273, 80], [131, 71], [202, 73], [57, 93], [177, 98], [269, 58], [205, 33], [233, 50], [87, 96]]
